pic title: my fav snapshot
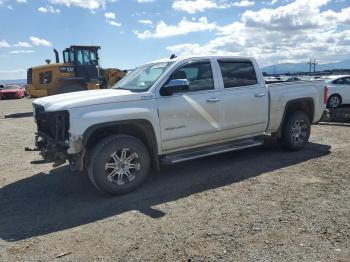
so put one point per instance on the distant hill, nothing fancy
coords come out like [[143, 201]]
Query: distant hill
[[16, 81], [304, 67]]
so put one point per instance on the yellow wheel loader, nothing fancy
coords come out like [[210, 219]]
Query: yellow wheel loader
[[79, 71]]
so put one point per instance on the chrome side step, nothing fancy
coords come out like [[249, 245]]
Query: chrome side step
[[174, 158]]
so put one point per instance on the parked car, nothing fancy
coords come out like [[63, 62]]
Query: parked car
[[338, 91], [170, 111], [11, 91]]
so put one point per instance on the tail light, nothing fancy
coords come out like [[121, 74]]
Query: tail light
[[325, 95]]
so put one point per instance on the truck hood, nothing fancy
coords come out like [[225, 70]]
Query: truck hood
[[85, 98]]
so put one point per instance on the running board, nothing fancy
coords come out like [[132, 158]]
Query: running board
[[209, 151]]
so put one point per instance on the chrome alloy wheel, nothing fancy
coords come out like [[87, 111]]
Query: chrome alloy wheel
[[334, 101], [122, 167], [299, 131]]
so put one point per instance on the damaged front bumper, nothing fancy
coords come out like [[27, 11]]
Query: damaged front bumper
[[58, 152], [51, 150], [53, 140]]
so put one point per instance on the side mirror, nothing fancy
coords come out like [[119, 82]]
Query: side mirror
[[174, 86]]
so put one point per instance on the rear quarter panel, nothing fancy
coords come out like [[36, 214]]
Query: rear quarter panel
[[282, 93]]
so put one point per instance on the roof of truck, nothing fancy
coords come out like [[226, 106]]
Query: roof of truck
[[179, 58]]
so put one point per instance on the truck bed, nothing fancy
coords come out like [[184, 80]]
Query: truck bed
[[280, 94]]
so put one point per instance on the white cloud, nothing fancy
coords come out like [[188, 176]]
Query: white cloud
[[194, 6], [3, 3], [39, 42], [244, 3], [300, 14], [183, 27], [21, 1], [290, 33], [23, 44], [3, 44], [114, 23], [88, 4], [110, 15], [146, 22], [111, 19], [145, 1], [49, 9], [22, 52]]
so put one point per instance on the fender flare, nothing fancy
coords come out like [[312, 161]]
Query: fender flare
[[144, 125], [304, 99]]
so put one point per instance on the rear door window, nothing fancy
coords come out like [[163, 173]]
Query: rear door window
[[236, 73]]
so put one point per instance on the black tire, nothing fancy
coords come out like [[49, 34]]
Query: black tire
[[101, 156], [295, 131], [334, 101], [69, 88]]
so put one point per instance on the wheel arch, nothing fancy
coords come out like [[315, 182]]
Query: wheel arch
[[306, 105], [139, 128]]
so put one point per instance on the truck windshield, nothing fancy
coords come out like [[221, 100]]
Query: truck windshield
[[142, 78]]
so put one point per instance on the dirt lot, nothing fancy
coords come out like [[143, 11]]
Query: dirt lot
[[259, 204]]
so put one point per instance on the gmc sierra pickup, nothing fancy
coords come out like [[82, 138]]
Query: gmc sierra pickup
[[170, 111]]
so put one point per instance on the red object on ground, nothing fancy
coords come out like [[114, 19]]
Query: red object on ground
[[11, 91]]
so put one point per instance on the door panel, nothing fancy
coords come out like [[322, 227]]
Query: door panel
[[189, 119], [245, 107], [193, 115]]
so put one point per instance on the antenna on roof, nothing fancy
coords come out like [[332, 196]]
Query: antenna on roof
[[173, 56]]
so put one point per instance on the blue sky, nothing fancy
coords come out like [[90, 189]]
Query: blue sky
[[132, 32]]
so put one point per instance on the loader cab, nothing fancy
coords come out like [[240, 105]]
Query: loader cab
[[85, 60]]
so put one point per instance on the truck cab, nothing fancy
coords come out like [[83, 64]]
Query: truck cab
[[84, 61]]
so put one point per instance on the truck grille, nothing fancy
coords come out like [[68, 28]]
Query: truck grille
[[53, 124]]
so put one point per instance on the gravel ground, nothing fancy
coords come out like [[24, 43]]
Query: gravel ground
[[261, 204]]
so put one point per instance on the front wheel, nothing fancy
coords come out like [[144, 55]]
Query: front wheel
[[296, 131], [118, 164]]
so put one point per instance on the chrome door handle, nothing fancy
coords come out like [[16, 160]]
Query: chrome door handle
[[213, 100], [260, 94]]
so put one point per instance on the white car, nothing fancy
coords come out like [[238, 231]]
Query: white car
[[338, 91]]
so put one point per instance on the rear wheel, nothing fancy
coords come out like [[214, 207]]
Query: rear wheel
[[334, 101], [118, 164], [296, 131]]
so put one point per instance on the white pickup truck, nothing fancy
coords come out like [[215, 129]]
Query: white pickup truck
[[170, 111]]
